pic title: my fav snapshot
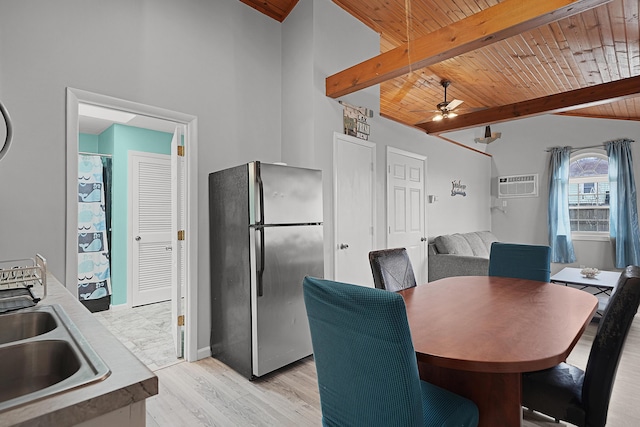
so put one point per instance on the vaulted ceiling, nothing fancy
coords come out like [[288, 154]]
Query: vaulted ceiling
[[505, 59]]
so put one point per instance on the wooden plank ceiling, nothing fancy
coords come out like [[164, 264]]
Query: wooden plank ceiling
[[598, 48], [276, 9]]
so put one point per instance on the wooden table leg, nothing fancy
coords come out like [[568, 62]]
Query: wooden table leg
[[498, 396]]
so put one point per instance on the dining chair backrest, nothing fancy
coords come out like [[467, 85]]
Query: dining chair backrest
[[531, 262], [392, 269], [365, 360], [607, 346]]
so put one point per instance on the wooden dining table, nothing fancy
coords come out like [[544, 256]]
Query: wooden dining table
[[476, 335]]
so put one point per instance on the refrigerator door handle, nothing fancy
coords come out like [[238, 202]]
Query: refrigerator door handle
[[260, 195], [261, 229], [261, 267]]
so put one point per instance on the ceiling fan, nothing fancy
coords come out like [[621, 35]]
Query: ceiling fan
[[445, 108]]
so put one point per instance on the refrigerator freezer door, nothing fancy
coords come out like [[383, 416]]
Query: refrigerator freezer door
[[281, 329], [291, 195]]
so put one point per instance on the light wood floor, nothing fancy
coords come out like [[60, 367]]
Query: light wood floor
[[208, 393]]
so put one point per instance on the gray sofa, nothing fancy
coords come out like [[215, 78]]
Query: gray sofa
[[460, 254]]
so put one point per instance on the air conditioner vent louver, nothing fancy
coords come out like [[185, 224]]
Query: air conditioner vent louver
[[518, 186]]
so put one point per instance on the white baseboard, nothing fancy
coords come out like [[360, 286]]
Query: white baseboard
[[204, 352], [120, 307]]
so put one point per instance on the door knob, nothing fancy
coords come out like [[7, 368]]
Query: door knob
[[343, 246], [138, 238], [423, 239]]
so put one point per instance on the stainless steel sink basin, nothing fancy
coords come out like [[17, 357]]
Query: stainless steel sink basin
[[23, 325], [35, 365], [42, 353]]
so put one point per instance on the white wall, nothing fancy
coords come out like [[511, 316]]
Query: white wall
[[522, 150], [217, 60], [297, 87], [251, 81]]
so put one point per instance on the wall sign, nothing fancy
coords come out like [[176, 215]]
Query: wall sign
[[458, 188], [355, 121]]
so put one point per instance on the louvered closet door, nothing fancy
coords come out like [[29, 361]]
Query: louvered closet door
[[150, 179]]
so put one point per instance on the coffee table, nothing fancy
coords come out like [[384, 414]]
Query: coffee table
[[602, 286]]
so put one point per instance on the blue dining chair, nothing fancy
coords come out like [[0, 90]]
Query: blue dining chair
[[531, 262], [366, 363], [566, 392]]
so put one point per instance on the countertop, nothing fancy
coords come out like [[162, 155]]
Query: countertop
[[130, 380]]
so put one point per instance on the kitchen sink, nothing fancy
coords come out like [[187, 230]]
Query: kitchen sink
[[22, 325], [32, 366], [42, 353]]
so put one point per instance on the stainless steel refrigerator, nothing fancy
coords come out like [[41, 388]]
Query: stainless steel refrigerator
[[266, 235]]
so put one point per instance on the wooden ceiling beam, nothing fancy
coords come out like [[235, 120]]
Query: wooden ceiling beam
[[506, 19], [560, 102]]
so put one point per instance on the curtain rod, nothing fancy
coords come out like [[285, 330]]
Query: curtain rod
[[589, 146], [94, 154]]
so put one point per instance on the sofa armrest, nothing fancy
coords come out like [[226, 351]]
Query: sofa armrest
[[448, 265]]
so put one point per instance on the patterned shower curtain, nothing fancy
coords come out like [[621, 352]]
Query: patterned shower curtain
[[94, 274]]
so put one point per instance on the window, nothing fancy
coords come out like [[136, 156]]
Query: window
[[589, 194]]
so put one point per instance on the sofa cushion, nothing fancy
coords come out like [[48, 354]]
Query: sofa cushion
[[453, 244], [478, 246], [488, 238]]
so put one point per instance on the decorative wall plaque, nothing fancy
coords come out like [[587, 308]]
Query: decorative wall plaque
[[458, 188], [355, 121]]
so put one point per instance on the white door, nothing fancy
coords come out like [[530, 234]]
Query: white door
[[406, 207], [354, 194], [151, 218], [178, 226]]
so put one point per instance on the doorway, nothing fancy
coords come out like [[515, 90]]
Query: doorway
[[183, 311], [406, 223], [354, 192]]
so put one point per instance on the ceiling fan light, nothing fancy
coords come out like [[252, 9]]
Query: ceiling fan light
[[438, 118], [489, 136], [452, 115]]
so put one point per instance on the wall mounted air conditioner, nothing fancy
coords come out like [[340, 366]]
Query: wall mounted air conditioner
[[518, 186]]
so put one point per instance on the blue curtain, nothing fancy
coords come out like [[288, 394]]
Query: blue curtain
[[558, 217], [623, 208]]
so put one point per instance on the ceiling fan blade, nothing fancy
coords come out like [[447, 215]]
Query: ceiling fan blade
[[424, 111], [453, 104]]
